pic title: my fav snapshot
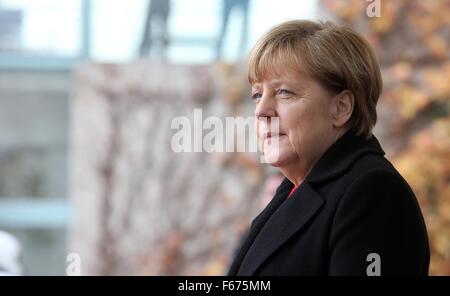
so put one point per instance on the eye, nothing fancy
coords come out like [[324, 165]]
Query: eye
[[284, 92], [256, 96]]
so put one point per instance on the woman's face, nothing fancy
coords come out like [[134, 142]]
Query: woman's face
[[303, 109]]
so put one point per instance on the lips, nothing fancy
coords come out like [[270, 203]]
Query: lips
[[268, 135]]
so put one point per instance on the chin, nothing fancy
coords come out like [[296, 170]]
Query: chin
[[278, 155], [279, 160]]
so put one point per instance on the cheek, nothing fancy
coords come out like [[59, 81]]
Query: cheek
[[296, 138], [304, 131], [294, 128]]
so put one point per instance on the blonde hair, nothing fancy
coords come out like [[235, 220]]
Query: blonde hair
[[336, 56]]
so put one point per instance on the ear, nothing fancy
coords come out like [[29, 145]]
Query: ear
[[342, 108]]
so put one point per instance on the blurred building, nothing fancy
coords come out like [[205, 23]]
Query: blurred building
[[35, 84], [10, 29]]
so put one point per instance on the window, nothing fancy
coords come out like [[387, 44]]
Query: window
[[44, 33]]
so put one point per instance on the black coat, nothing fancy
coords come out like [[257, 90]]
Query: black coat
[[353, 203]]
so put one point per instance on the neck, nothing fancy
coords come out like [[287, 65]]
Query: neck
[[296, 171]]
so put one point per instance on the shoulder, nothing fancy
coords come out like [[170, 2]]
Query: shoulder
[[373, 185], [369, 175], [378, 191], [375, 169], [374, 177], [379, 211], [370, 164]]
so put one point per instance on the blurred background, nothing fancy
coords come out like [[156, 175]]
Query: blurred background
[[88, 90]]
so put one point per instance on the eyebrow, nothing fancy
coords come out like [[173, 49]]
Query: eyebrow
[[271, 83], [297, 85]]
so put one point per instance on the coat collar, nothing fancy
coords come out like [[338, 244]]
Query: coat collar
[[341, 155], [272, 232], [259, 222], [282, 218]]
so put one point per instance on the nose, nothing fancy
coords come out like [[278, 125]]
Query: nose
[[266, 107]]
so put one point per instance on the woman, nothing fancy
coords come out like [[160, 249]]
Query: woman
[[342, 209]]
